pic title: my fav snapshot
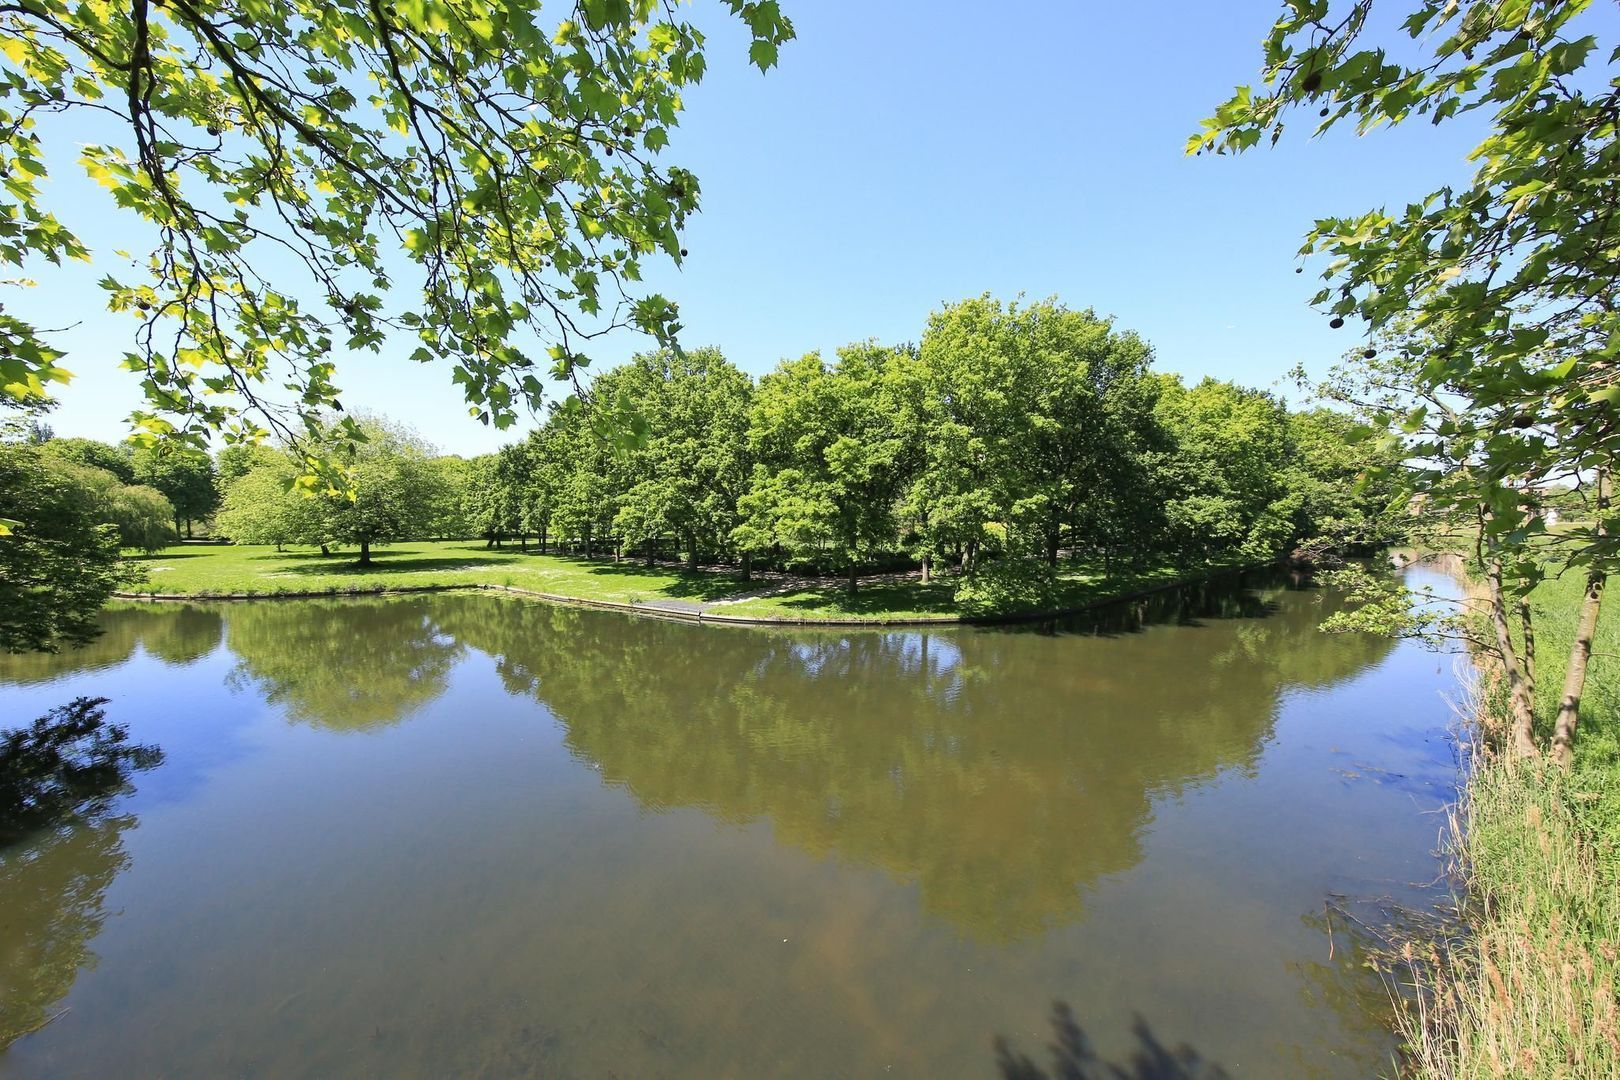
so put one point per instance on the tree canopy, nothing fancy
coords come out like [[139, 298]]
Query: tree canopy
[[297, 162], [1497, 294]]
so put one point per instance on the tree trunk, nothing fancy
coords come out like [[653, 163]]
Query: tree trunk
[[691, 553], [1569, 705], [925, 569], [651, 551], [1528, 632], [587, 543], [325, 550], [1052, 549], [523, 541], [1580, 654], [1519, 693], [747, 565], [854, 579], [365, 552], [542, 540], [188, 528]]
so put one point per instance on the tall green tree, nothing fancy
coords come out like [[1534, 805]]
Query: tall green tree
[[389, 498], [263, 505], [683, 478], [185, 477], [1223, 483], [117, 460], [297, 162], [829, 472], [1509, 276], [59, 559]]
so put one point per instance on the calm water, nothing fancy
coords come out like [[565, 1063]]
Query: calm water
[[467, 835]]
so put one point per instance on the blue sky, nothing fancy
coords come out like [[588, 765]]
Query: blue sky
[[912, 152]]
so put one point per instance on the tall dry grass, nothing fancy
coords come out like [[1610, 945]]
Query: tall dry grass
[[1531, 990]]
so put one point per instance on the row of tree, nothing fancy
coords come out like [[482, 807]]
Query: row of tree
[[1012, 431]]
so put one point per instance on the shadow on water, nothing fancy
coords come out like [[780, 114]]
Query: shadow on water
[[1243, 594], [1073, 1057]]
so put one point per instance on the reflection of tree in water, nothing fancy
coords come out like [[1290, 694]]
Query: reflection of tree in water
[[174, 633], [1002, 772], [342, 664], [60, 849], [54, 886], [1074, 1058]]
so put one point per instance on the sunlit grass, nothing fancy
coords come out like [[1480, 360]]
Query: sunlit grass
[[1533, 990], [227, 570]]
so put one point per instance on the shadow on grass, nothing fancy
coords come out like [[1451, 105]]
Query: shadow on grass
[[169, 555], [382, 562], [883, 598], [700, 585]]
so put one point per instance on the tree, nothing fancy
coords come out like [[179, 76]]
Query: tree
[[486, 505], [830, 460], [684, 475], [578, 464], [185, 477], [446, 479], [512, 166], [141, 514], [389, 497], [98, 455], [59, 561], [262, 505], [1350, 485], [1223, 481], [1510, 276]]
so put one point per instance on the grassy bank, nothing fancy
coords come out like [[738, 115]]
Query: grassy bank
[[1532, 991], [262, 571]]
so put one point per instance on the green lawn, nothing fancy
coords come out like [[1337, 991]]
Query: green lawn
[[263, 571]]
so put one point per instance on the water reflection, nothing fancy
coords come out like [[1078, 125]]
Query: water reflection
[[177, 634], [60, 849], [55, 903], [995, 818], [1003, 775], [340, 664]]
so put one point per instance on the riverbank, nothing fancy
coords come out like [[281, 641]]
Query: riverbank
[[720, 595], [1533, 990]]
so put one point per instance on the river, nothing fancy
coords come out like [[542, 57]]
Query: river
[[466, 834]]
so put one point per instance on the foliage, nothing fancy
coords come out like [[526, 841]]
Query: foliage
[[1034, 416], [117, 460], [835, 454], [185, 477], [1014, 432], [69, 761], [59, 558], [262, 506], [685, 473], [1494, 297], [1224, 481], [508, 168], [392, 497], [1009, 585]]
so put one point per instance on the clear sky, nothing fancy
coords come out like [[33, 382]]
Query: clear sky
[[911, 152]]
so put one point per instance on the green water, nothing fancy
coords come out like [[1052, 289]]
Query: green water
[[467, 835]]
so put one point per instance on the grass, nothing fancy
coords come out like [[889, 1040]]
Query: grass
[[227, 570], [1532, 990]]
